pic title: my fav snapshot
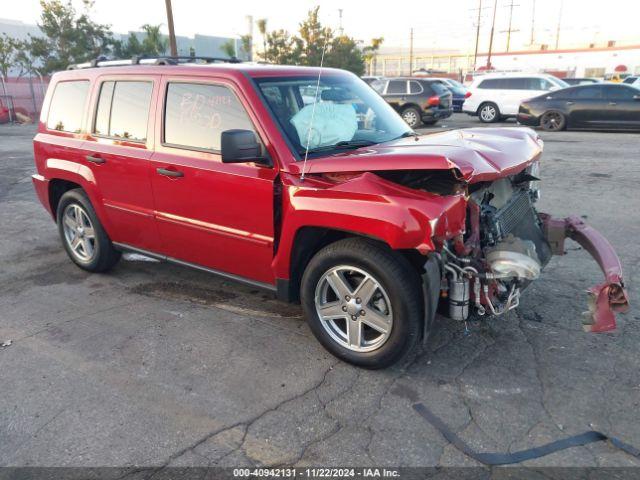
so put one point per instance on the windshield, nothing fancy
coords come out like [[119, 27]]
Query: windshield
[[348, 113]]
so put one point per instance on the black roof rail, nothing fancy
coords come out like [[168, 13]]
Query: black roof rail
[[151, 60]]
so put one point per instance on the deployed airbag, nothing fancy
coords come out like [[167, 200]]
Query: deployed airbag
[[332, 123]]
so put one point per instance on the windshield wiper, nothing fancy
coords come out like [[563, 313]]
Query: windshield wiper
[[407, 134], [345, 144]]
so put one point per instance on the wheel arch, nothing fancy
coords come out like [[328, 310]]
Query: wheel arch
[[309, 240]]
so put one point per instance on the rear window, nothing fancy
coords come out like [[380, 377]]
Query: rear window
[[397, 86], [196, 115], [490, 83], [67, 106], [415, 87], [123, 110]]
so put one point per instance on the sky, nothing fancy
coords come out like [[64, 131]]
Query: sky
[[437, 24]]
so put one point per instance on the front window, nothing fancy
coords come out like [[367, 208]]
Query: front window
[[341, 112]]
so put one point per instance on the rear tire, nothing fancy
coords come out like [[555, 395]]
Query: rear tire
[[553, 121], [83, 237], [488, 112], [411, 116], [332, 285]]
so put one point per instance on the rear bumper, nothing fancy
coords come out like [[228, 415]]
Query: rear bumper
[[41, 186], [528, 119], [436, 114], [605, 298]]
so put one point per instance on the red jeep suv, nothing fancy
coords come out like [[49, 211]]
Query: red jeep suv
[[303, 181]]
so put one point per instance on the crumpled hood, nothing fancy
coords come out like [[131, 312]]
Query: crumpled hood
[[476, 154]]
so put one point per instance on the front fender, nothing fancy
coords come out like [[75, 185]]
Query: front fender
[[370, 206]]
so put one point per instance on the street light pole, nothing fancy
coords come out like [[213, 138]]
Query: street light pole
[[172, 33]]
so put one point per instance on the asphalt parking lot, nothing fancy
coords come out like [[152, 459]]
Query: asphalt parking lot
[[155, 365]]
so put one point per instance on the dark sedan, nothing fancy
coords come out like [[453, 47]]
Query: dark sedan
[[458, 91], [589, 107]]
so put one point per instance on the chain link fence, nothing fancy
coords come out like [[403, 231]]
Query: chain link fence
[[21, 98]]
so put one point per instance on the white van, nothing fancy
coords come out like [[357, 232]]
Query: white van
[[495, 96]]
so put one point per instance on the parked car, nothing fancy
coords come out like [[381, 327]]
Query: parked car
[[580, 81], [417, 100], [631, 80], [602, 106], [458, 91], [372, 228], [494, 97]]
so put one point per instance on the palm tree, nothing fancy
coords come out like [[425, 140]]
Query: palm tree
[[370, 52], [262, 28], [154, 42]]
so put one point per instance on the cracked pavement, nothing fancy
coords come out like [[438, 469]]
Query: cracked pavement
[[154, 365]]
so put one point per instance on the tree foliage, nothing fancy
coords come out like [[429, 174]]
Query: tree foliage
[[69, 36], [154, 43], [306, 47]]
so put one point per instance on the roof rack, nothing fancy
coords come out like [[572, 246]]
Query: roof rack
[[146, 60]]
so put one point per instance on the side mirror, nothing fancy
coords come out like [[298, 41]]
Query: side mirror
[[241, 146]]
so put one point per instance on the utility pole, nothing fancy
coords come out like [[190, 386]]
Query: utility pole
[[533, 23], [475, 53], [493, 26], [411, 52], [340, 29], [508, 32], [559, 22], [172, 33]]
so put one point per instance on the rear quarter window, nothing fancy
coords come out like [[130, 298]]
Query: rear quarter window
[[66, 110], [438, 88]]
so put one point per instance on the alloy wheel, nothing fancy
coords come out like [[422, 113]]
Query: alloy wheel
[[552, 121], [488, 113], [410, 117], [79, 232], [354, 308]]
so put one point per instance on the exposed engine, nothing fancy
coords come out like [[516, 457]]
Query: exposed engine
[[503, 250]]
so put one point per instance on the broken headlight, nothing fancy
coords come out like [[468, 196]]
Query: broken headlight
[[534, 185]]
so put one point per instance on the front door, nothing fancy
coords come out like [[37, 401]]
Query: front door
[[587, 106], [213, 214], [623, 107], [118, 148]]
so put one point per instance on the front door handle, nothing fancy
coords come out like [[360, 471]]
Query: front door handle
[[170, 173], [569, 103], [97, 160], [612, 103]]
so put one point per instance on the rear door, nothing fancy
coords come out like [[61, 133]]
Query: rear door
[[623, 106], [119, 145], [217, 215], [396, 93], [586, 106]]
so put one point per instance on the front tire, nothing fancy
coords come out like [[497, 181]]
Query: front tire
[[82, 234], [489, 112], [363, 302]]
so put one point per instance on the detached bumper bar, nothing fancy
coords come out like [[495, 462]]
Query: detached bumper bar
[[605, 298]]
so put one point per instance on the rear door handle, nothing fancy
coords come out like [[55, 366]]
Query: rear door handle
[[569, 103], [169, 173], [96, 159], [612, 103]]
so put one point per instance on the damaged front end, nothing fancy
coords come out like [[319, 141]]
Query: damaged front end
[[506, 246]]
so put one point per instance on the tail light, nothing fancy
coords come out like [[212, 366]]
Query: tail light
[[467, 95], [433, 101]]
